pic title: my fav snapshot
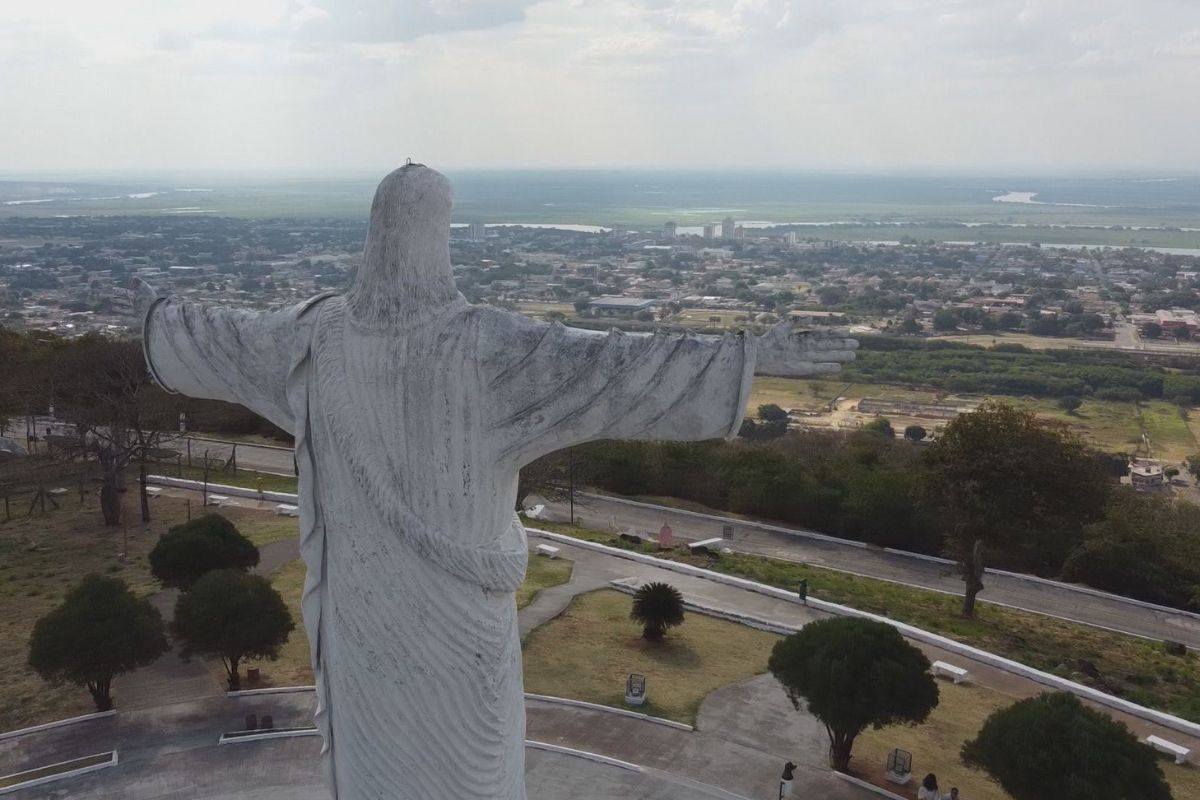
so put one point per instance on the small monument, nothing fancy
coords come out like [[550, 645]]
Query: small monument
[[635, 689], [666, 538], [413, 412]]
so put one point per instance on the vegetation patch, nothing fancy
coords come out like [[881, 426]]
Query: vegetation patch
[[935, 746], [542, 573], [587, 652], [1137, 669]]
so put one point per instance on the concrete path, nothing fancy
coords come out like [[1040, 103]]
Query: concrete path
[[1059, 600]]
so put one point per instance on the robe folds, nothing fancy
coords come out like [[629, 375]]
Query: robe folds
[[409, 439]]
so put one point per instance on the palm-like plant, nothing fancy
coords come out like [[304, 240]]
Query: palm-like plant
[[657, 606]]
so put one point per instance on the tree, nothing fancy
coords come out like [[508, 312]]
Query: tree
[[945, 320], [1152, 330], [1054, 746], [657, 606], [1000, 479], [915, 433], [102, 386], [233, 615], [208, 542], [909, 326], [772, 413], [881, 426], [1069, 403], [854, 673], [99, 631], [1193, 465]]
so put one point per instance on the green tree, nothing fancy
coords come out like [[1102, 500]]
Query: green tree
[[1145, 547], [854, 673], [657, 606], [909, 326], [881, 426], [915, 433], [1054, 746], [233, 615], [208, 542], [772, 413], [1193, 466], [945, 320], [1001, 482], [1069, 403], [99, 631], [1152, 330]]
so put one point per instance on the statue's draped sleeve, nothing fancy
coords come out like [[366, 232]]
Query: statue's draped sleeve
[[554, 386], [226, 354]]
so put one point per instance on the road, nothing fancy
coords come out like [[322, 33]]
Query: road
[[1059, 600]]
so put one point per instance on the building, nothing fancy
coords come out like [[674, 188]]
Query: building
[[669, 230], [478, 231], [727, 228], [710, 231], [1146, 475], [616, 306]]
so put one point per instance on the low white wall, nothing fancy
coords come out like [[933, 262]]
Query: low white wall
[[564, 701], [911, 631], [71, 773], [57, 724]]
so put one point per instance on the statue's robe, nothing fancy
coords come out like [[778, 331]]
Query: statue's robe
[[409, 438]]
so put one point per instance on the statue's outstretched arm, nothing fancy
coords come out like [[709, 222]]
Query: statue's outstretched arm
[[216, 353], [554, 386]]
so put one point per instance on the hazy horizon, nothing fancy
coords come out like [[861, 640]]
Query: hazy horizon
[[348, 87]]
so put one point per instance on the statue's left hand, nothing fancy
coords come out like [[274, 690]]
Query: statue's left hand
[[143, 297], [787, 352]]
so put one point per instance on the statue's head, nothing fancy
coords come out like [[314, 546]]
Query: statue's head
[[406, 266]]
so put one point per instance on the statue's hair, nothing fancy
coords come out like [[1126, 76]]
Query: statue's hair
[[406, 265]]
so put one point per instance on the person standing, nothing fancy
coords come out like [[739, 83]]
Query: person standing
[[929, 788]]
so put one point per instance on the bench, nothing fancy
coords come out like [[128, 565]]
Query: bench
[[153, 491], [706, 543], [1181, 753], [549, 551], [286, 510], [217, 499], [950, 671]]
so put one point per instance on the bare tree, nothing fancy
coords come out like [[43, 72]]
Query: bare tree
[[103, 388]]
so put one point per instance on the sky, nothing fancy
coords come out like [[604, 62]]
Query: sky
[[360, 85]]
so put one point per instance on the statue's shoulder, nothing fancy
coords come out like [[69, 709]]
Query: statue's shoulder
[[313, 302]]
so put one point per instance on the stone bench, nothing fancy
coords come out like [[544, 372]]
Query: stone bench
[[706, 543], [153, 491], [217, 499], [1180, 753], [287, 510], [549, 551], [958, 674]]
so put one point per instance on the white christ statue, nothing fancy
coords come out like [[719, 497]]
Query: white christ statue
[[413, 411]]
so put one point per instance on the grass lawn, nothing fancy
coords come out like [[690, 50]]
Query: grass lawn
[[586, 653], [1137, 669], [1170, 437], [958, 717], [245, 478], [294, 667], [542, 573], [810, 395], [43, 556]]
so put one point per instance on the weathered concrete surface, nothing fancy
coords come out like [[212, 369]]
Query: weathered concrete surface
[[413, 412]]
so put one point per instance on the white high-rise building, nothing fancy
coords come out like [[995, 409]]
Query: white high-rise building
[[727, 228], [669, 230], [478, 231], [710, 231]]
